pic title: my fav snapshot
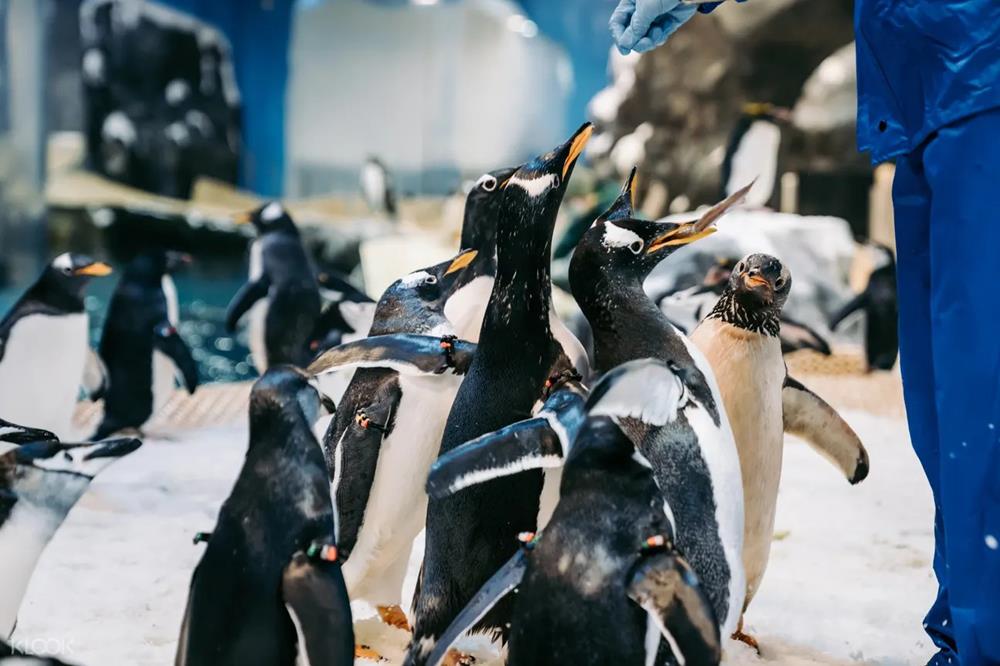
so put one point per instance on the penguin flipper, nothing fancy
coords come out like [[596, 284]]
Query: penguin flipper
[[843, 313], [95, 375], [664, 585], [796, 335], [167, 340], [249, 293], [315, 597], [405, 353], [808, 416], [537, 443], [19, 434], [489, 595]]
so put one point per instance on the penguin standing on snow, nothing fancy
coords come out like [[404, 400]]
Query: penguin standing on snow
[[386, 432], [606, 582], [268, 589], [521, 345], [281, 294], [45, 352], [40, 481], [878, 301], [140, 345], [739, 337]]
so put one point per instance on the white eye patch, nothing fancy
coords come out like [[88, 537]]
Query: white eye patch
[[414, 279], [487, 182], [272, 212], [63, 262], [615, 236], [535, 187]]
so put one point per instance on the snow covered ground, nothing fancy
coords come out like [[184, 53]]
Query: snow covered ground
[[848, 581]]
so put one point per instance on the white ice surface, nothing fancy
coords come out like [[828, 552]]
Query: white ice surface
[[848, 582]]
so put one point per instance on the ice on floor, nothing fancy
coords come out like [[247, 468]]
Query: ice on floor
[[848, 581]]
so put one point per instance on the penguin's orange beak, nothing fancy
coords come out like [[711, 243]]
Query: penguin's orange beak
[[96, 269], [682, 234], [461, 261], [577, 146], [753, 281]]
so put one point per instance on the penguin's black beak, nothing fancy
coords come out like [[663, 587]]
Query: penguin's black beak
[[18, 434], [94, 269], [623, 207], [461, 261]]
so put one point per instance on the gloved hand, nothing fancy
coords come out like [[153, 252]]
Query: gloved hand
[[642, 25]]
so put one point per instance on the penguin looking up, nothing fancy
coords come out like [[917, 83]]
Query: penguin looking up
[[387, 429], [881, 312], [465, 306], [140, 344], [281, 295], [693, 456], [739, 337], [45, 353], [521, 345], [40, 481], [268, 589], [605, 580]]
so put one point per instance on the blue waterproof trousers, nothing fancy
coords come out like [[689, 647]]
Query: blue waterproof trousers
[[947, 205]]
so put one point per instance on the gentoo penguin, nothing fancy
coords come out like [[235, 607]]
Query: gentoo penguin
[[40, 481], [347, 312], [377, 187], [385, 434], [281, 294], [268, 589], [469, 294], [878, 301], [607, 272], [140, 345], [521, 345], [752, 153], [686, 308], [45, 352], [740, 339], [606, 579]]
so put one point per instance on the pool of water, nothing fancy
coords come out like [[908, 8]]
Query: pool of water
[[203, 290]]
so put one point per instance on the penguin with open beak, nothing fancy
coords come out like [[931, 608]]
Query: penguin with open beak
[[469, 536], [740, 339]]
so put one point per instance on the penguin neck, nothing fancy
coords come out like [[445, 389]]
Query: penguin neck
[[47, 291], [522, 291], [626, 323], [754, 317], [479, 234]]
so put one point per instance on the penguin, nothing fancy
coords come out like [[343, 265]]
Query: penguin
[[739, 337], [607, 272], [606, 582], [140, 345], [386, 431], [45, 354], [268, 589], [752, 153], [347, 312], [281, 296], [521, 345], [377, 187], [686, 308], [878, 301], [41, 479]]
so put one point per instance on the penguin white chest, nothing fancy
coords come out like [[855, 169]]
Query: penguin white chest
[[258, 312], [41, 371], [750, 372], [163, 368], [467, 307]]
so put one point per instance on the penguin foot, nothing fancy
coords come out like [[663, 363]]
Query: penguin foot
[[366, 652], [456, 658], [394, 617], [738, 635]]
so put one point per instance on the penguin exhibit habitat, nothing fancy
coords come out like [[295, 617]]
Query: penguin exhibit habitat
[[441, 332]]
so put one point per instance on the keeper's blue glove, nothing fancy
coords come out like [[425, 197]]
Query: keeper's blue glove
[[642, 25]]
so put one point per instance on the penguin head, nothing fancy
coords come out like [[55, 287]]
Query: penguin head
[[760, 283], [69, 273], [619, 246], [482, 205], [152, 265], [533, 194], [269, 218], [284, 393], [415, 302]]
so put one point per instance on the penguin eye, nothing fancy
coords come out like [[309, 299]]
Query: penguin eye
[[430, 279], [556, 181], [489, 183], [67, 270], [779, 284], [636, 246], [739, 268]]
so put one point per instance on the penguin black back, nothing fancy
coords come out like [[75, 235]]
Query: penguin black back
[[879, 303], [470, 535], [279, 507]]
